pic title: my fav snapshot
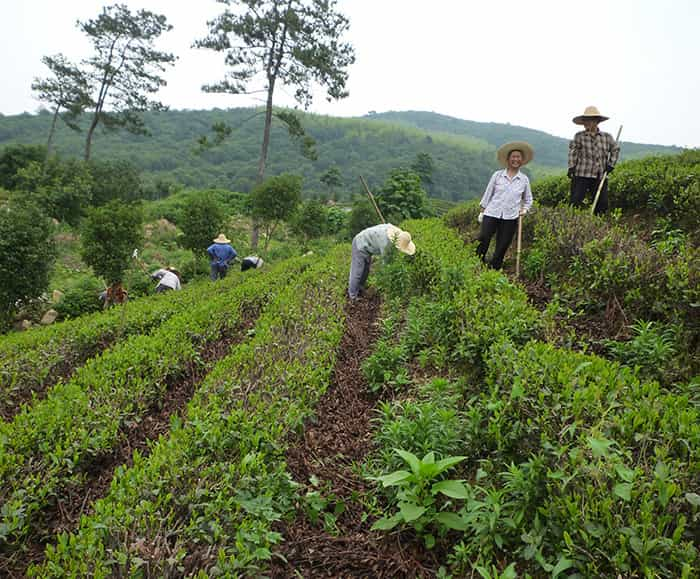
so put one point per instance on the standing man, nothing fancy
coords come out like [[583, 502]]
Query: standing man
[[167, 279], [592, 153], [221, 254], [375, 240], [507, 197]]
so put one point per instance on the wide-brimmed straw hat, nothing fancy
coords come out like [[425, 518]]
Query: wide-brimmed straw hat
[[590, 114], [504, 152], [401, 240], [222, 239]]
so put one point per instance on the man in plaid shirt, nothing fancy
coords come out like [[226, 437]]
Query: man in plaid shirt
[[591, 154]]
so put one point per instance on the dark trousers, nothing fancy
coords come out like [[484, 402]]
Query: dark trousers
[[218, 271], [504, 230], [360, 262], [581, 186]]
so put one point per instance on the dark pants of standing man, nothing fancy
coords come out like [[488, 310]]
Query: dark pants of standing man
[[218, 271], [581, 186], [504, 230]]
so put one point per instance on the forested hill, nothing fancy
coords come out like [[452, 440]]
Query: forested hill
[[462, 151], [550, 151]]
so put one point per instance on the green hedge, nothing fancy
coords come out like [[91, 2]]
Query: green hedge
[[206, 498], [36, 359], [52, 445]]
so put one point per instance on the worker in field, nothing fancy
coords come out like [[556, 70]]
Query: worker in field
[[168, 279], [507, 197], [251, 262], [221, 254], [592, 155], [376, 240]]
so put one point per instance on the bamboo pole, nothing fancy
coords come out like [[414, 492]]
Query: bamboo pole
[[603, 178], [519, 244], [371, 197]]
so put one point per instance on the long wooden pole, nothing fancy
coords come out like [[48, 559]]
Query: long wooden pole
[[603, 178], [371, 197], [517, 251]]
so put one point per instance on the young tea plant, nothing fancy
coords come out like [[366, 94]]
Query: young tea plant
[[418, 493]]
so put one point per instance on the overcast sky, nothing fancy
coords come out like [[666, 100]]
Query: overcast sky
[[535, 64]]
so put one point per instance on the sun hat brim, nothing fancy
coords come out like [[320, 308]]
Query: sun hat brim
[[581, 118], [393, 234], [505, 150], [410, 249]]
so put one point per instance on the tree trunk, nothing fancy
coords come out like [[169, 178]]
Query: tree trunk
[[255, 234], [51, 132], [88, 139]]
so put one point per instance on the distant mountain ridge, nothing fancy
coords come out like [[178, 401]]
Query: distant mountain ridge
[[371, 146], [550, 151]]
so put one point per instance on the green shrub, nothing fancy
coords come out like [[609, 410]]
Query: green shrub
[[652, 349], [668, 186], [417, 426], [27, 252], [81, 299]]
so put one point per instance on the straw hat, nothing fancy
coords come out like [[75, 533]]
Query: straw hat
[[591, 113], [401, 240], [505, 150], [222, 239]]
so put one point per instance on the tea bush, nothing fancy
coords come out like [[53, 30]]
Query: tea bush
[[667, 186], [604, 269], [215, 486]]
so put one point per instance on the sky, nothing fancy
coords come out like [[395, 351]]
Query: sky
[[536, 64]]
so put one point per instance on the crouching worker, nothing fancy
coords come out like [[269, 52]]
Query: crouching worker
[[221, 254], [507, 197], [168, 279], [374, 240], [251, 262]]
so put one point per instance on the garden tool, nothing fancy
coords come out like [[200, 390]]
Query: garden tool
[[371, 198], [605, 175]]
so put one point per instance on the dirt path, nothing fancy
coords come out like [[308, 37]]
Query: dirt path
[[338, 438]]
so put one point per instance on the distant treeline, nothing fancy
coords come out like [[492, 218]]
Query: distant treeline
[[462, 151]]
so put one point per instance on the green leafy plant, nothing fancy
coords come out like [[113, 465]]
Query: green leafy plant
[[652, 348], [323, 506], [27, 252], [418, 493]]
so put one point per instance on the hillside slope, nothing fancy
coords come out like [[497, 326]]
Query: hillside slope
[[462, 151]]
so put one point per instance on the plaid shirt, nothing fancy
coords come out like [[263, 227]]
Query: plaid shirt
[[590, 153]]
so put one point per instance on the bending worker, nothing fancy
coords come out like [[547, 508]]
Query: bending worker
[[374, 240], [167, 280], [251, 262], [221, 254], [507, 197], [592, 153]]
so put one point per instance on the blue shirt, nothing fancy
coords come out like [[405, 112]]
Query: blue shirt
[[221, 253]]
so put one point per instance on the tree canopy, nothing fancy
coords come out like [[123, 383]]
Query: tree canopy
[[201, 220], [125, 68], [27, 253], [275, 200], [291, 42], [402, 196], [109, 235]]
